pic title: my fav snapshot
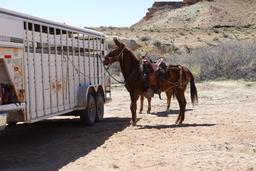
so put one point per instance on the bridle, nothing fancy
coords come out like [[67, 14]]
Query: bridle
[[117, 58]]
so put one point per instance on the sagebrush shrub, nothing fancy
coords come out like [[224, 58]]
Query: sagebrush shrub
[[230, 60]]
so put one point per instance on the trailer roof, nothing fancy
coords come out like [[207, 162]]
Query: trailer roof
[[29, 17]]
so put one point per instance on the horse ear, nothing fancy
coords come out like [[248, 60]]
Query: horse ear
[[117, 42]]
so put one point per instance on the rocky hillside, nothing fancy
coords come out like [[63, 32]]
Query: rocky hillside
[[181, 27], [202, 14]]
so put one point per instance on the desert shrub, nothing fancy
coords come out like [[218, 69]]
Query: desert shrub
[[216, 31], [225, 35], [157, 44], [145, 38], [230, 60], [111, 28], [182, 34], [165, 48], [216, 39]]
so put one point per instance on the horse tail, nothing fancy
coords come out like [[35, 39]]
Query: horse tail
[[193, 90]]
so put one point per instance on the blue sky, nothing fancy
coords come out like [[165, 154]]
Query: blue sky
[[89, 13]]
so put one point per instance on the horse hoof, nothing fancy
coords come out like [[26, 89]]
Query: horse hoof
[[148, 112], [140, 112], [133, 123]]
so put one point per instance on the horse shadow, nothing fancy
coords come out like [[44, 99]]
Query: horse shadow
[[167, 113], [52, 144], [174, 126]]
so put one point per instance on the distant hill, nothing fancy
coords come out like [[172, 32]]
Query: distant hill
[[203, 14], [180, 27]]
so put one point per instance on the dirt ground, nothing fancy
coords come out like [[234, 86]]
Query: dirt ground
[[217, 134]]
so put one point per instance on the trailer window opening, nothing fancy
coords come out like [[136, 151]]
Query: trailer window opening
[[38, 47], [45, 48], [30, 26], [70, 50], [82, 52], [37, 27], [59, 51], [25, 25], [51, 30], [57, 31], [52, 49], [44, 29]]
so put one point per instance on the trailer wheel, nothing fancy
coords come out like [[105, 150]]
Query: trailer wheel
[[100, 107], [13, 123], [88, 115]]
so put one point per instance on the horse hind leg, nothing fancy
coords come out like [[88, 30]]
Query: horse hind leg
[[182, 103], [169, 96], [141, 103]]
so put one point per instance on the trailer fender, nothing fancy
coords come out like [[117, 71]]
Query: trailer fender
[[83, 92]]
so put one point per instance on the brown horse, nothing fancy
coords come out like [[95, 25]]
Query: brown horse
[[134, 79], [169, 87]]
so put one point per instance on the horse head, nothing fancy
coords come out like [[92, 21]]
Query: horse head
[[115, 54]]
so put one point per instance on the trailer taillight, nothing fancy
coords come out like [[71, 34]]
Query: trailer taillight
[[7, 56]]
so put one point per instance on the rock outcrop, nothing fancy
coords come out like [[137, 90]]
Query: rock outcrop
[[161, 5]]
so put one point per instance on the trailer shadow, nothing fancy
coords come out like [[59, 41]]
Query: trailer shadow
[[52, 144]]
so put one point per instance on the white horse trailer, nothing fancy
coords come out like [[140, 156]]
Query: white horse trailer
[[49, 69]]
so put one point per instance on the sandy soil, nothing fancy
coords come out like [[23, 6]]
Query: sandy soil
[[218, 134]]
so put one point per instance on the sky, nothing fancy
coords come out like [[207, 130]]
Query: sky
[[83, 13]]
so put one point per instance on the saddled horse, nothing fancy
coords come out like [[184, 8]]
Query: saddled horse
[[170, 84], [135, 81]]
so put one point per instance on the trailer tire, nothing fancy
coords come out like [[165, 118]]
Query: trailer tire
[[88, 115], [100, 107], [13, 123]]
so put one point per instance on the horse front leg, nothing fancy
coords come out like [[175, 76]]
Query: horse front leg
[[149, 105], [141, 103], [133, 108]]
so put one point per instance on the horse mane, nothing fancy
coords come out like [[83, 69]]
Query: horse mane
[[132, 56]]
